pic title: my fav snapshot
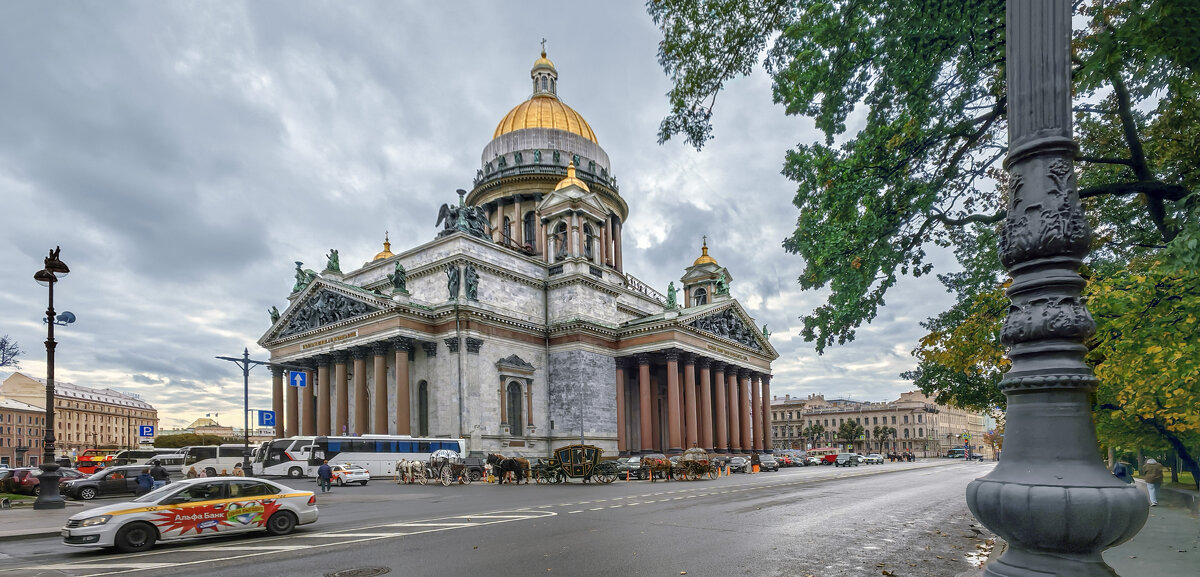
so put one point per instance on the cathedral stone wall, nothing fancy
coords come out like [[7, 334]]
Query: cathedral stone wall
[[577, 375], [580, 301]]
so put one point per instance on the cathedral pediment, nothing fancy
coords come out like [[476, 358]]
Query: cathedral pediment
[[572, 198], [321, 304], [731, 323]]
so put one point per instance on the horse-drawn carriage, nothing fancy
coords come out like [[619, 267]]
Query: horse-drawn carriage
[[448, 466], [694, 464], [575, 462]]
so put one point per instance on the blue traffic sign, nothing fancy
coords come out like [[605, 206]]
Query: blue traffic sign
[[297, 378], [266, 418], [146, 431]]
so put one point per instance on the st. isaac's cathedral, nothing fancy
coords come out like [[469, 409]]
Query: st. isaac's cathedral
[[517, 327]]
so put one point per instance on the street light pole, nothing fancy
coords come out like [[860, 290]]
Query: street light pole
[[246, 363], [48, 496]]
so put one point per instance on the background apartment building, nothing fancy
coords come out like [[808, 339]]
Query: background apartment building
[[21, 430], [921, 425], [84, 418]]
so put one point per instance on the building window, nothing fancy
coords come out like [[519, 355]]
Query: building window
[[530, 224], [893, 419], [905, 419], [560, 239], [905, 433], [587, 240], [514, 405], [921, 432], [507, 230], [700, 297], [544, 85]]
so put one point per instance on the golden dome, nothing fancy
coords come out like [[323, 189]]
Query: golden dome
[[387, 249], [704, 258], [545, 111], [571, 179], [543, 61]]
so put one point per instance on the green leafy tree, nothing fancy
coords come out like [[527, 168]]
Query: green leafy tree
[[850, 431], [190, 439], [813, 432], [882, 433]]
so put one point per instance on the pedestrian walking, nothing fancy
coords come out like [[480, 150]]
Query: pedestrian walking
[[192, 474], [145, 482], [1152, 474], [237, 471], [324, 475], [160, 475], [202, 473]]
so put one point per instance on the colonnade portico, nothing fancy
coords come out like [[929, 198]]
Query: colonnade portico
[[323, 407], [666, 405]]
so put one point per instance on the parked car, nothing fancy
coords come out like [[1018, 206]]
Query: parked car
[[874, 459], [193, 508], [739, 464], [475, 467], [110, 481], [785, 461], [343, 474], [845, 460], [767, 462], [27, 481], [633, 466]]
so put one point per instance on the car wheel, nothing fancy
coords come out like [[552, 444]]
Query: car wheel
[[363, 483], [295, 473], [135, 537], [474, 475], [37, 490], [643, 475], [281, 523], [341, 483], [87, 493]]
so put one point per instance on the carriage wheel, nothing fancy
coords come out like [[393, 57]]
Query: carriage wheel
[[446, 477], [541, 477], [713, 472], [606, 478], [422, 477], [464, 477]]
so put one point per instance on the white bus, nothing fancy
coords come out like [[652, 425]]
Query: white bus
[[139, 456], [287, 456], [377, 453], [214, 458]]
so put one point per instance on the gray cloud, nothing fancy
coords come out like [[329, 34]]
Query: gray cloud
[[184, 154]]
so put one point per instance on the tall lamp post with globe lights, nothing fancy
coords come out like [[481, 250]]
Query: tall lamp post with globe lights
[[48, 496]]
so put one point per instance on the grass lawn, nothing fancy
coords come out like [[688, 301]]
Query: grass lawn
[[16, 497], [1186, 481]]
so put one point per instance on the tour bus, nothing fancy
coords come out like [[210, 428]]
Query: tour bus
[[93, 460], [215, 458], [825, 454], [377, 454], [139, 456], [287, 456]]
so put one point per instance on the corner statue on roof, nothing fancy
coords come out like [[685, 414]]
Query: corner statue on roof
[[333, 264]]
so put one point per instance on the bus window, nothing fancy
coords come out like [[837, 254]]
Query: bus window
[[423, 447]]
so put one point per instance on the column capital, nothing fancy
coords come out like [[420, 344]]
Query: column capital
[[743, 373], [322, 359], [360, 353], [402, 343], [718, 366], [643, 359], [380, 348], [276, 371], [689, 358], [704, 362], [672, 355], [430, 348], [339, 357], [765, 378]]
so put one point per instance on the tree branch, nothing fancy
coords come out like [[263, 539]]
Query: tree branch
[[1102, 160], [974, 218], [1151, 188]]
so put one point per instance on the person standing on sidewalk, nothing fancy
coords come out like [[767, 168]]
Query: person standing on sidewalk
[[1152, 474], [324, 475], [160, 475]]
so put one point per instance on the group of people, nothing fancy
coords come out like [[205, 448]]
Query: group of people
[[211, 472], [152, 478], [905, 456]]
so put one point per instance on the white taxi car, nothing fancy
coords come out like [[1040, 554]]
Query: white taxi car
[[193, 508], [348, 473]]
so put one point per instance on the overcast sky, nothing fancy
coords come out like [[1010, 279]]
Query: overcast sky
[[184, 154]]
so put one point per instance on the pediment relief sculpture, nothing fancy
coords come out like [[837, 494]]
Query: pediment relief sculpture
[[728, 324], [322, 308]]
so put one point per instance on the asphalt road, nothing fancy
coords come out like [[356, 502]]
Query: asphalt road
[[903, 518]]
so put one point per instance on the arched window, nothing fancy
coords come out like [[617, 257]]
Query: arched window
[[905, 433], [530, 230], [544, 83], [423, 408], [560, 238], [514, 406], [506, 230], [701, 297], [587, 240], [921, 432]]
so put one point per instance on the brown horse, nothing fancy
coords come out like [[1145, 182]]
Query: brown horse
[[657, 465]]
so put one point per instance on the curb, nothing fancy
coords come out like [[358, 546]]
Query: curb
[[35, 535], [1176, 498]]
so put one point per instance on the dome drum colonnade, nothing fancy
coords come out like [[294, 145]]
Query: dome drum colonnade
[[705, 403]]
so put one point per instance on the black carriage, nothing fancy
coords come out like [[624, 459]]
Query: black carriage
[[575, 462], [694, 464]]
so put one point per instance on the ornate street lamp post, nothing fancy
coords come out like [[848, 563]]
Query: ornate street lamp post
[[1051, 497], [48, 496]]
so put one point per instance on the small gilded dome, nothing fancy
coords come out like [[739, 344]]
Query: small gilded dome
[[387, 249], [704, 258], [572, 180]]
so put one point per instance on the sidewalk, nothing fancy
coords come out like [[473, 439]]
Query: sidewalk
[[23, 521], [1169, 544]]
